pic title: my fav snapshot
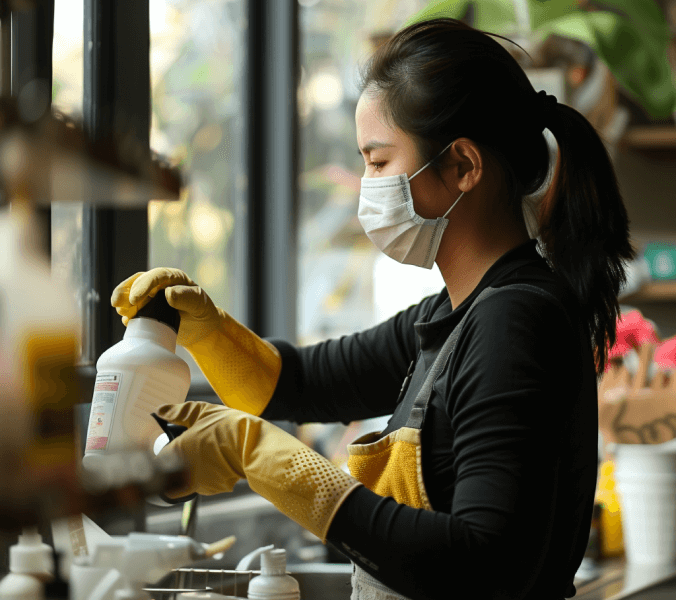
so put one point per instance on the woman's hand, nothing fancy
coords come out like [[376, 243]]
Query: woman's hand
[[199, 315], [223, 445], [242, 368]]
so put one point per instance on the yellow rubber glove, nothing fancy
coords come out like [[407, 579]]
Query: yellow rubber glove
[[242, 368], [223, 445]]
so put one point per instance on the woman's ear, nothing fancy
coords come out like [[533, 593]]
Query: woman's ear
[[467, 162]]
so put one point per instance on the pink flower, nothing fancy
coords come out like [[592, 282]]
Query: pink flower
[[632, 331], [665, 354]]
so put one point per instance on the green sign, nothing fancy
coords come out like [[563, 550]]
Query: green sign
[[662, 260]]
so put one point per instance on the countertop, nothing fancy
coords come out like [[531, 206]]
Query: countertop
[[616, 579]]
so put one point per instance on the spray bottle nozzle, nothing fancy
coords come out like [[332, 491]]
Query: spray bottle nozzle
[[171, 432]]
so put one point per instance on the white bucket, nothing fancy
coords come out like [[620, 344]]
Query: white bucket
[[645, 476]]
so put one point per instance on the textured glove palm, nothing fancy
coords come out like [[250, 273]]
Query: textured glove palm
[[223, 445], [242, 368]]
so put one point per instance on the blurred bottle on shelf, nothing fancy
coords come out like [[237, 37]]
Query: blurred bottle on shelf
[[608, 511], [38, 338]]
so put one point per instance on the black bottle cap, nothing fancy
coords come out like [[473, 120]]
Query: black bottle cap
[[158, 308]]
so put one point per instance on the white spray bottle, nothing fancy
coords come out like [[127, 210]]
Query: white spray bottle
[[30, 566], [134, 377], [273, 583]]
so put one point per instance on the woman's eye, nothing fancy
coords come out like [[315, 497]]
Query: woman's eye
[[377, 165]]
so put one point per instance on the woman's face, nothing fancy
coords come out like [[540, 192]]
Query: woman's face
[[387, 151]]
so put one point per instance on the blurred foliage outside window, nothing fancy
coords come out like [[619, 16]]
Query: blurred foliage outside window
[[197, 77], [345, 283]]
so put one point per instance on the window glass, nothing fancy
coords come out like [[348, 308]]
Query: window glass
[[67, 87], [196, 72], [196, 54], [345, 283]]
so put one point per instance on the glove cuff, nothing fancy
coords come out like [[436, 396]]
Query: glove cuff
[[306, 487]]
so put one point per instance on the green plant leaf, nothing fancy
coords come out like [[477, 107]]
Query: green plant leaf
[[495, 16], [574, 26], [639, 64], [645, 15], [631, 37], [455, 9], [543, 11]]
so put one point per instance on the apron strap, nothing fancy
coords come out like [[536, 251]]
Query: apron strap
[[416, 417]]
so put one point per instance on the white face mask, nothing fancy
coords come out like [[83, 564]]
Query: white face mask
[[387, 215]]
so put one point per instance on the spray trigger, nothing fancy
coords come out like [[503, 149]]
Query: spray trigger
[[172, 431]]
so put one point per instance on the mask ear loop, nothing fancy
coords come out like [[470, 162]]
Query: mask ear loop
[[429, 163], [450, 209]]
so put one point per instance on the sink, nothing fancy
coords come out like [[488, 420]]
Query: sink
[[325, 581]]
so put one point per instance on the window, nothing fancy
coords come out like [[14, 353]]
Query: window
[[196, 72], [195, 64], [345, 283], [196, 58], [67, 217]]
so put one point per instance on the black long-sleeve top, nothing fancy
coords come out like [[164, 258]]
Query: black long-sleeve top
[[509, 443]]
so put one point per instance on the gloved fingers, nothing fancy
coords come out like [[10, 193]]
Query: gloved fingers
[[190, 299], [189, 487], [120, 295], [151, 282], [125, 321], [185, 414], [207, 472], [128, 311]]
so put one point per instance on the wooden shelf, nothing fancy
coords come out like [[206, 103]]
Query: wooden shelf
[[655, 141], [656, 291]]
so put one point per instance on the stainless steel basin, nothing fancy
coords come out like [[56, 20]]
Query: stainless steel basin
[[325, 581]]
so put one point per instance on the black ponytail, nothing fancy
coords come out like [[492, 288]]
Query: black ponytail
[[583, 226], [442, 79]]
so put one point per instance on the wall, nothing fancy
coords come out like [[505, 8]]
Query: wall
[[649, 191]]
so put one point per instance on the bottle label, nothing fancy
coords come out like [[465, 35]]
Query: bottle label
[[106, 391]]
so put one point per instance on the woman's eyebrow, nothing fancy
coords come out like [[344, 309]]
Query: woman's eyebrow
[[374, 146]]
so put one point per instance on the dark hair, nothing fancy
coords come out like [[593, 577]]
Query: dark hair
[[441, 79]]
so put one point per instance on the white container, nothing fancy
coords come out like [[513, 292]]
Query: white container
[[121, 566], [273, 583], [31, 564], [31, 555], [19, 586], [645, 476], [133, 378]]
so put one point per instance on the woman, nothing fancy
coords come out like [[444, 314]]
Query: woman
[[483, 481]]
